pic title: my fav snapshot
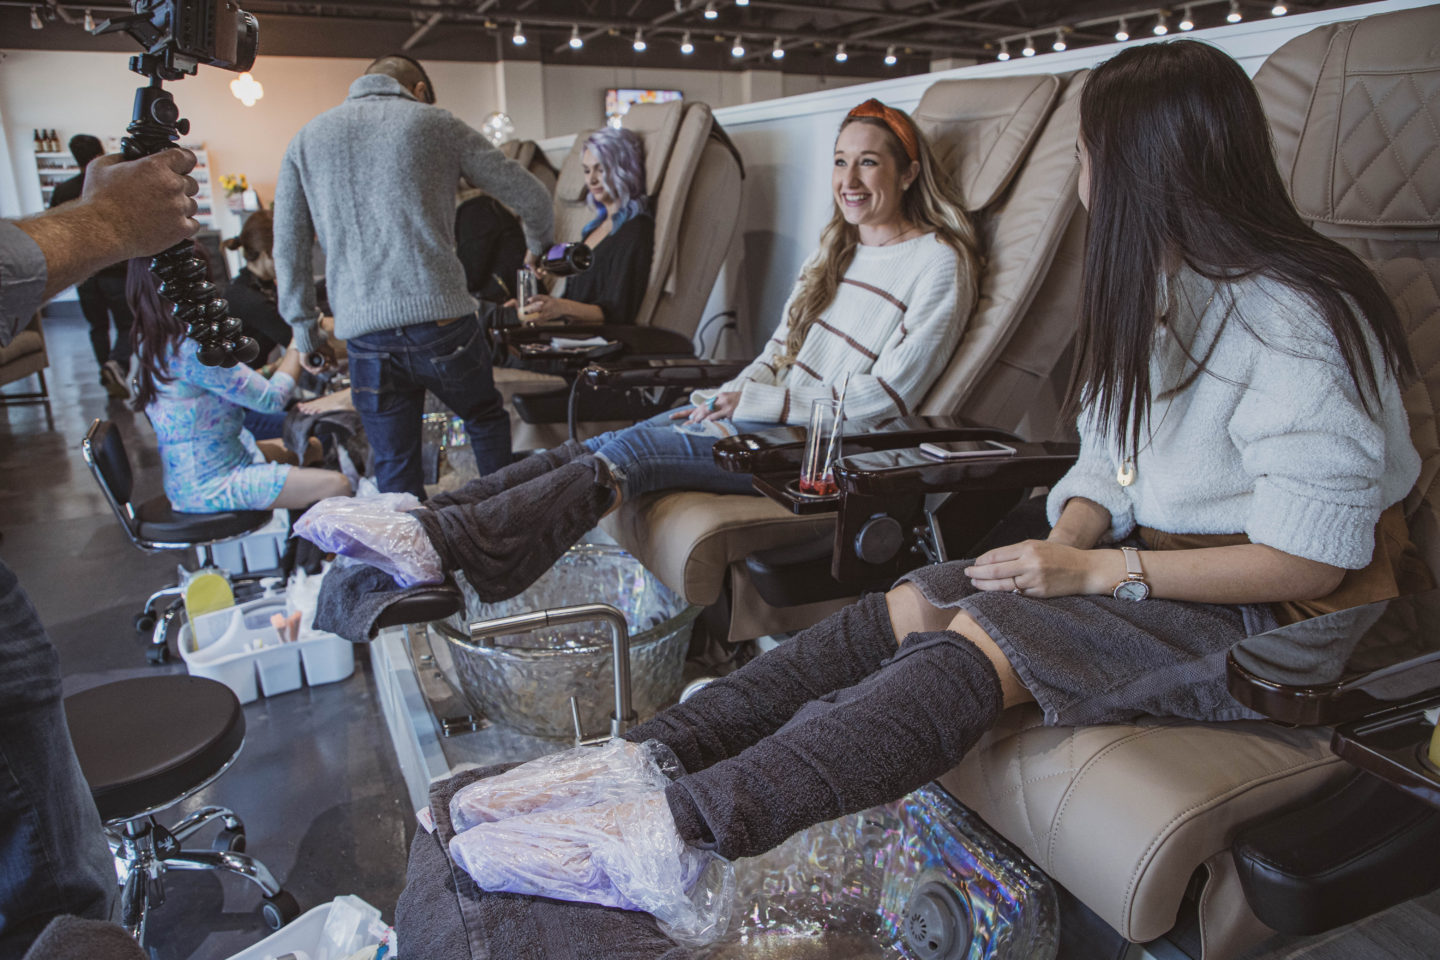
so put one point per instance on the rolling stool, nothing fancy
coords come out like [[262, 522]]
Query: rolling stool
[[145, 745], [155, 525]]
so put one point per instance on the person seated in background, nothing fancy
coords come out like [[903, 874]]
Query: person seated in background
[[211, 462], [621, 236], [1244, 456], [252, 294], [880, 307]]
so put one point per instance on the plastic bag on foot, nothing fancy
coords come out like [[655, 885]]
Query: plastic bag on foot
[[626, 854], [375, 530], [573, 778]]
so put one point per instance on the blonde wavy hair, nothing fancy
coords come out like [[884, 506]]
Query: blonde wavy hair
[[930, 202]]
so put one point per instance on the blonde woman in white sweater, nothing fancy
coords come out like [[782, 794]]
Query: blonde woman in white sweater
[[883, 302]]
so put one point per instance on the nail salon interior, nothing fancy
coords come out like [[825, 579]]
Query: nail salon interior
[[700, 479]]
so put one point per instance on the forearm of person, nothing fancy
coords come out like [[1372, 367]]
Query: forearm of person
[[289, 363], [581, 312], [76, 243], [1245, 573], [1082, 523]]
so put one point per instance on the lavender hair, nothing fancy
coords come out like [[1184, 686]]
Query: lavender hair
[[621, 154]]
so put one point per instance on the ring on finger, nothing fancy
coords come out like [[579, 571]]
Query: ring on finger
[[1015, 584]]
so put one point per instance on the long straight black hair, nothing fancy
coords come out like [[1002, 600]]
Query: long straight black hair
[[1182, 169]]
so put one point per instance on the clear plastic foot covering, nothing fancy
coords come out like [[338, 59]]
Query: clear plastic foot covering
[[376, 530]]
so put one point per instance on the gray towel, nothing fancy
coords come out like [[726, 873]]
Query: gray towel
[[442, 915], [353, 596], [505, 542], [71, 938]]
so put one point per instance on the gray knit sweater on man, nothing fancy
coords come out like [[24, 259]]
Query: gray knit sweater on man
[[374, 180]]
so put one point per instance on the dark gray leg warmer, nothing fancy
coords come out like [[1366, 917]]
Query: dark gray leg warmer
[[521, 471], [741, 709], [505, 542], [871, 743]]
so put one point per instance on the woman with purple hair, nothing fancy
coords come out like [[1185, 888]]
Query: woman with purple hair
[[622, 235]]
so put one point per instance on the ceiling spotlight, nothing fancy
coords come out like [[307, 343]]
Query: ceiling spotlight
[[1122, 33], [1279, 10], [639, 43], [777, 51], [89, 21], [1004, 53], [1234, 15], [1029, 49], [742, 3], [1187, 21], [519, 38], [1059, 44], [35, 22], [576, 42], [840, 55], [1160, 29], [737, 50], [686, 46], [890, 58], [710, 12]]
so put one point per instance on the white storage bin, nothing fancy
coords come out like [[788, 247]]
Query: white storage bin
[[221, 646], [352, 924]]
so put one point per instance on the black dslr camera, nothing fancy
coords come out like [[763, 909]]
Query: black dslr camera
[[178, 36]]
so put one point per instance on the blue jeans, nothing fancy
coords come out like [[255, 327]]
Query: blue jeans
[[53, 855], [653, 455], [389, 374], [264, 426]]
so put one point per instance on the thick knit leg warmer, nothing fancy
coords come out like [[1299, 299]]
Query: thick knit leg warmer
[[738, 710], [505, 543], [869, 744], [521, 471]]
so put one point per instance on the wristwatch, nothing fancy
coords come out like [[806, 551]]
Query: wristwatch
[[1133, 587]]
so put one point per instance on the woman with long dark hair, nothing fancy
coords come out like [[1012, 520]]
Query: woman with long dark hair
[[1244, 454], [211, 461], [251, 293]]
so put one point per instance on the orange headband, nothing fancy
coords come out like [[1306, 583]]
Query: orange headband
[[898, 123]]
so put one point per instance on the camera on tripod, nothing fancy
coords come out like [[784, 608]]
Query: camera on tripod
[[182, 34], [178, 36]]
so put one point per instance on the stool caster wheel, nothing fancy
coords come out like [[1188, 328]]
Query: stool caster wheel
[[229, 840], [157, 655], [279, 910], [144, 621]]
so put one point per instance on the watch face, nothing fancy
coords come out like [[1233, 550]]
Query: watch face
[[1132, 590]]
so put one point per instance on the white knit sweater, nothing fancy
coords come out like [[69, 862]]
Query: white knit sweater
[[893, 325], [1272, 441]]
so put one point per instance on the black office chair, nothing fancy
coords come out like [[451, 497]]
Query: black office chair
[[156, 525], [144, 745]]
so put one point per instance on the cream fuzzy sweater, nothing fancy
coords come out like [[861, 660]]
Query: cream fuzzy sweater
[[1272, 440], [893, 325]]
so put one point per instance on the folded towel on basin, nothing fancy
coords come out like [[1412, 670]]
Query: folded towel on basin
[[353, 596], [443, 915]]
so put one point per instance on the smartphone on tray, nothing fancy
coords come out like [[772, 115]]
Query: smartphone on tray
[[966, 449]]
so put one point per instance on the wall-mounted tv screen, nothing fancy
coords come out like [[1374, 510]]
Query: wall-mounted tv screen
[[619, 99]]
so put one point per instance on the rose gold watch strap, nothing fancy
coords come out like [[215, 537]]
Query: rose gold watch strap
[[1133, 570]]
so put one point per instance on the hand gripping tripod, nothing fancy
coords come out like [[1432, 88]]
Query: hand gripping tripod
[[155, 126]]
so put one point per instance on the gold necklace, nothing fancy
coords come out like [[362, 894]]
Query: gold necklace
[[1125, 476]]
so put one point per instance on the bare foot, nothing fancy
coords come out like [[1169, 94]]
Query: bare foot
[[339, 400]]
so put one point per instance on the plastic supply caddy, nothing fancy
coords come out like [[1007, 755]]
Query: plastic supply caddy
[[222, 646], [331, 931]]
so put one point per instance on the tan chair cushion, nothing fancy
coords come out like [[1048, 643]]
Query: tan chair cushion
[[657, 124], [1367, 113], [1122, 815], [688, 538], [981, 130], [25, 342]]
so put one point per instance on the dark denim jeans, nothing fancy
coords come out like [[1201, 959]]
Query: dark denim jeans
[[102, 300], [655, 455], [389, 374], [53, 855]]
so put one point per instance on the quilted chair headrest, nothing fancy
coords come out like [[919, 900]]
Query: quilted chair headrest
[[1363, 147], [658, 125], [982, 130]]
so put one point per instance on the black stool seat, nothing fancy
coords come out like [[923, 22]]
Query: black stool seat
[[161, 522], [146, 742], [435, 603]]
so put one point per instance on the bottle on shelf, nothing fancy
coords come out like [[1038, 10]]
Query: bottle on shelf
[[54, 142], [38, 145]]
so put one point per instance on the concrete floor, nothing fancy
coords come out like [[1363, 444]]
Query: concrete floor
[[317, 783]]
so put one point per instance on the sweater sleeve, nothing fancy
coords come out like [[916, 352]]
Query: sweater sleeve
[[510, 183], [1093, 477], [913, 356], [294, 254], [1316, 455]]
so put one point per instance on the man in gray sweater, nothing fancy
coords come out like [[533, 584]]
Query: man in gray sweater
[[375, 180]]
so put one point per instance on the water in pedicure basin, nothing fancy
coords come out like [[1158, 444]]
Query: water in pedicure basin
[[921, 879]]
